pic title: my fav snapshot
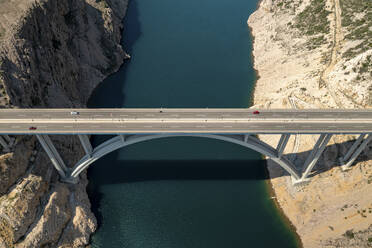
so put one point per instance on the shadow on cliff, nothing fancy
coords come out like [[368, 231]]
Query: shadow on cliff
[[109, 93], [328, 160]]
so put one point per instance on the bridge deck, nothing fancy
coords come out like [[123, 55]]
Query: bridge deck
[[139, 121]]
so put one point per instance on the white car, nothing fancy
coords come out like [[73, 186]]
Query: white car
[[74, 113]]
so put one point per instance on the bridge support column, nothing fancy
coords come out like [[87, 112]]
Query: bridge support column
[[246, 137], [315, 154], [282, 144], [353, 147], [86, 144], [4, 144], [353, 153], [122, 137], [53, 154]]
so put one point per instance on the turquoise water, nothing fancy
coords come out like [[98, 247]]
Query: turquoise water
[[183, 192]]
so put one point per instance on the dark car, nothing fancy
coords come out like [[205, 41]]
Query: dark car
[[256, 112], [32, 128]]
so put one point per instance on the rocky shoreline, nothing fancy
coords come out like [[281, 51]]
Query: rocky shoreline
[[305, 65], [53, 54]]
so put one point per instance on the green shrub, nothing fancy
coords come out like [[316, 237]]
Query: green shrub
[[349, 234]]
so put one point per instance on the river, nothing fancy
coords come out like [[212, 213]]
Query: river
[[184, 192]]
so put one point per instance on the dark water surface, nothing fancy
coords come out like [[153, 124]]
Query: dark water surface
[[184, 192]]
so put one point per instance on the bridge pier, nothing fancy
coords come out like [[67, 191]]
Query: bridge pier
[[282, 144], [53, 154], [6, 142], [122, 137], [246, 137], [314, 156], [354, 151], [86, 144]]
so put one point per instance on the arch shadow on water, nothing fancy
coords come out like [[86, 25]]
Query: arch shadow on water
[[118, 171]]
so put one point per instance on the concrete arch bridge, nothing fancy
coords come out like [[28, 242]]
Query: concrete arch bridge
[[238, 126]]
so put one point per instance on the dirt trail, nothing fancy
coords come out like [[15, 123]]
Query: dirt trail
[[337, 38]]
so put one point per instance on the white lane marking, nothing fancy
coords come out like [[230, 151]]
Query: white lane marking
[[22, 115], [42, 126], [98, 115], [123, 115], [227, 126], [15, 126], [175, 126], [332, 126], [174, 115], [200, 115], [307, 126], [148, 126], [96, 126], [67, 126], [200, 126], [149, 115], [279, 126]]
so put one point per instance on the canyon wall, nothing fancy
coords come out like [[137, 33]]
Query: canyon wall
[[53, 53], [317, 54]]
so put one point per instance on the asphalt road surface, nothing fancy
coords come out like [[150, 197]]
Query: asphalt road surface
[[137, 121]]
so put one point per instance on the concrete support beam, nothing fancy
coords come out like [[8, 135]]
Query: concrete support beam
[[246, 137], [357, 151], [282, 144], [7, 138], [354, 146], [54, 156], [4, 144], [315, 154], [86, 144], [122, 137]]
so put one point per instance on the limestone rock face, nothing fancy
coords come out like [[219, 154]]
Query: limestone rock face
[[53, 53], [324, 62], [59, 51], [267, 5], [55, 216], [83, 222], [18, 209], [14, 164]]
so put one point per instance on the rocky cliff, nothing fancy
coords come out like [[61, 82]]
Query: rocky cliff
[[317, 54], [53, 53]]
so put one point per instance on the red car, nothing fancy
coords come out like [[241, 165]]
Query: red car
[[256, 112], [32, 128]]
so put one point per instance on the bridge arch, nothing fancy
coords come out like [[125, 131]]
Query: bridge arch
[[121, 141]]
